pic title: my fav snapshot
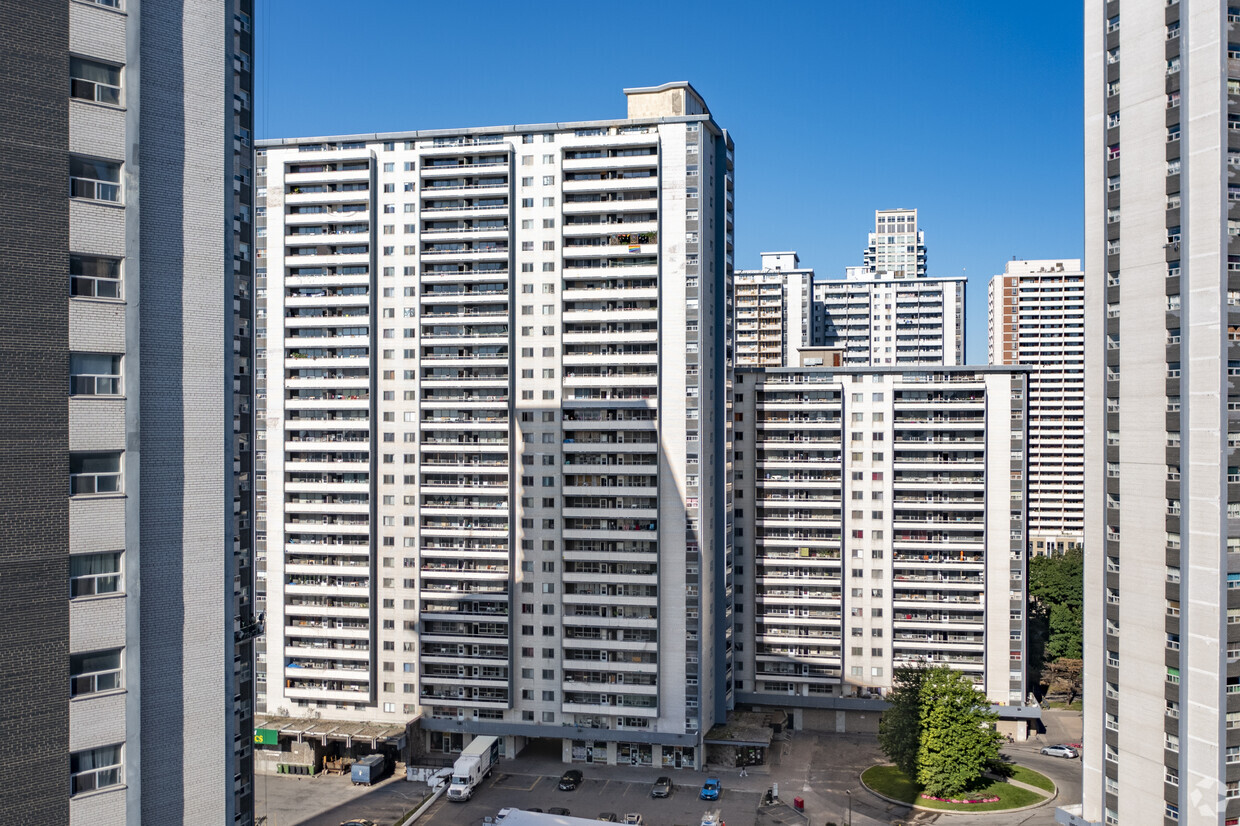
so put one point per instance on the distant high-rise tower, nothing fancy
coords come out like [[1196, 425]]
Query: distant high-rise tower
[[126, 284], [1037, 318], [897, 248], [774, 316], [886, 312], [1162, 416]]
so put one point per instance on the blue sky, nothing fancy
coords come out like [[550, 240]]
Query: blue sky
[[969, 110]]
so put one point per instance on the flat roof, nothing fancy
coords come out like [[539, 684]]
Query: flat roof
[[506, 129], [301, 728], [893, 368]]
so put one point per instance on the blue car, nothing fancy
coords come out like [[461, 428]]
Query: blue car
[[710, 789]]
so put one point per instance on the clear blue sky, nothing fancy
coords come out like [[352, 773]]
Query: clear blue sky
[[969, 110]]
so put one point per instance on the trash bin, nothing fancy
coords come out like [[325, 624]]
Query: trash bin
[[798, 803]]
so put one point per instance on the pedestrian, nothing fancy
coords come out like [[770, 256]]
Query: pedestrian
[[743, 772]]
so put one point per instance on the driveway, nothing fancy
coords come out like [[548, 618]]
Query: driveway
[[618, 789], [821, 768]]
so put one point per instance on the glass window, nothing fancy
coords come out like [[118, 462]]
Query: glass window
[[95, 769], [94, 374], [94, 574], [94, 179], [94, 672], [93, 81], [94, 473], [94, 276]]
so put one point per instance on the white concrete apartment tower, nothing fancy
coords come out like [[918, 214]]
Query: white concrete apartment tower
[[774, 316], [886, 312], [879, 523], [498, 432], [126, 309], [1037, 318], [1162, 644]]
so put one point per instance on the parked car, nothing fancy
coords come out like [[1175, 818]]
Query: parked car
[[633, 819], [662, 787], [1059, 751], [358, 822], [609, 817], [570, 780], [711, 789], [559, 811]]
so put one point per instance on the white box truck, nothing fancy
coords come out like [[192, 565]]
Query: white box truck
[[475, 763]]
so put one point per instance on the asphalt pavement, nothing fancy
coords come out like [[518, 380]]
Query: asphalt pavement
[[821, 768]]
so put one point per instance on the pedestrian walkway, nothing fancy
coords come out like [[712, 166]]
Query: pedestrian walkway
[[1021, 785]]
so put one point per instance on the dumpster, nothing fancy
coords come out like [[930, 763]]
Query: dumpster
[[798, 803]]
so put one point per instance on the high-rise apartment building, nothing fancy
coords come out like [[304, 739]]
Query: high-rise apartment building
[[126, 284], [886, 312], [773, 314], [879, 523], [1037, 318], [1162, 645], [498, 448], [897, 247]]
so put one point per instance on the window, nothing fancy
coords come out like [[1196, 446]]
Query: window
[[94, 374], [91, 473], [97, 82], [94, 672], [95, 769], [96, 180], [94, 574]]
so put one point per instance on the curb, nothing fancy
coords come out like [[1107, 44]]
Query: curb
[[1049, 799], [426, 804]]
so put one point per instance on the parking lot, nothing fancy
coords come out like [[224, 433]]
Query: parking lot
[[327, 801], [597, 795], [821, 768]]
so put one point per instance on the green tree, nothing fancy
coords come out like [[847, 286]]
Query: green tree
[[1065, 632], [1057, 609], [1057, 579], [958, 739], [899, 729]]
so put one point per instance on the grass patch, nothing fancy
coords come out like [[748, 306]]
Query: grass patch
[[1075, 705], [890, 782], [1031, 777]]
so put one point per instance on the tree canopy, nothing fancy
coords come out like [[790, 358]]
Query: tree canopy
[[939, 729], [1057, 606], [959, 740], [899, 729]]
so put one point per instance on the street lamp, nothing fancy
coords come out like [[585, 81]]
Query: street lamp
[[849, 793]]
